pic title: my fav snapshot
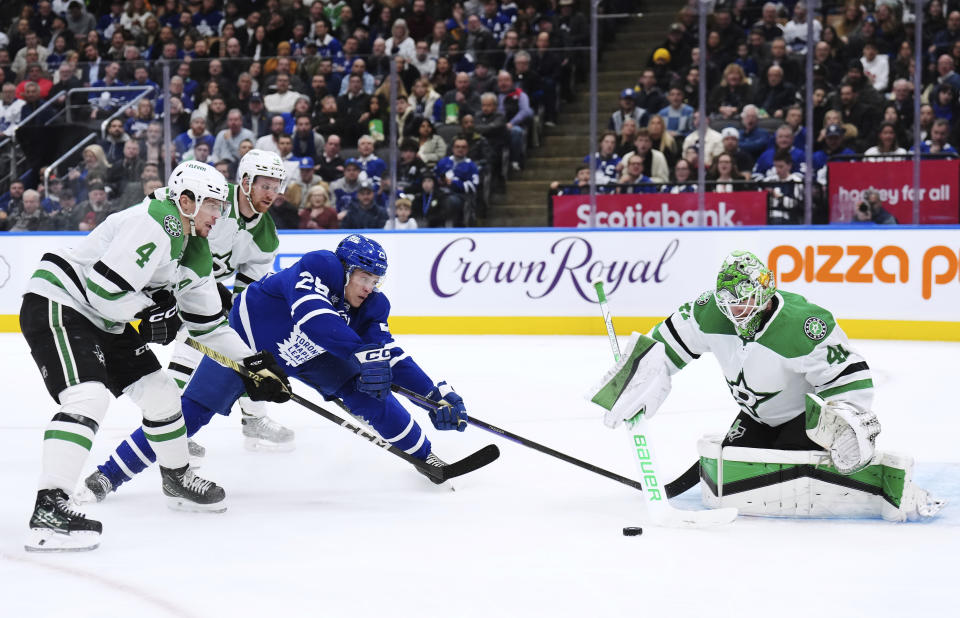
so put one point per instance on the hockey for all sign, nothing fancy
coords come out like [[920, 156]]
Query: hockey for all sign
[[662, 210], [939, 189]]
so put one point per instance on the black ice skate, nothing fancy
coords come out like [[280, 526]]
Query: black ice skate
[[95, 488], [433, 460], [54, 527], [186, 491]]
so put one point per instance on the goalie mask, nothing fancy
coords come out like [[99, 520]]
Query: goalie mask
[[744, 287]]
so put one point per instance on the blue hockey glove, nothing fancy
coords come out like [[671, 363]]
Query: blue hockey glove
[[375, 372], [451, 414]]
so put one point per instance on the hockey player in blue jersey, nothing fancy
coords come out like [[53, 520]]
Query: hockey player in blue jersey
[[325, 320]]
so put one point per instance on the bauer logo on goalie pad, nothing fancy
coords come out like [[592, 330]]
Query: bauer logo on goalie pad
[[815, 328]]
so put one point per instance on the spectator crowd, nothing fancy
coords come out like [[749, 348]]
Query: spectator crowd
[[755, 54], [308, 79]]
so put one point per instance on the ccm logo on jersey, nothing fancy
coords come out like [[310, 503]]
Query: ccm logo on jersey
[[863, 264]]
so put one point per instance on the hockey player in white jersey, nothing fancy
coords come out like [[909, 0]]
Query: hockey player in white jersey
[[244, 244], [803, 444], [149, 262]]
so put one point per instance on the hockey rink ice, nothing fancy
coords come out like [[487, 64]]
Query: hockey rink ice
[[340, 528]]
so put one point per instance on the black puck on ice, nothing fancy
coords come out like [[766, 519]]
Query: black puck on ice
[[632, 531]]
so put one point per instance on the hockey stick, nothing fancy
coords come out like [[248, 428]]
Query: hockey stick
[[440, 474], [660, 510]]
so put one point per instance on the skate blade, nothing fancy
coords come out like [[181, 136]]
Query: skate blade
[[179, 504], [46, 540], [256, 445]]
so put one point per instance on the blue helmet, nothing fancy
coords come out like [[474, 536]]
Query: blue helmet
[[356, 251]]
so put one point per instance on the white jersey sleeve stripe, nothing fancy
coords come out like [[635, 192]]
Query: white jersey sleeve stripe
[[314, 314], [307, 297]]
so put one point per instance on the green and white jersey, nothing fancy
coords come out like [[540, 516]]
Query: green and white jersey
[[799, 350], [110, 275], [247, 248]]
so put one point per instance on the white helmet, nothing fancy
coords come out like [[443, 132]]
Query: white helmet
[[202, 181], [261, 163]]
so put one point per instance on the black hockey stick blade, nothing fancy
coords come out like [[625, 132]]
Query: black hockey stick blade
[[685, 481], [474, 461]]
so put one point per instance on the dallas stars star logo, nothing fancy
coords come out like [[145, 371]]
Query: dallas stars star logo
[[221, 263], [748, 398]]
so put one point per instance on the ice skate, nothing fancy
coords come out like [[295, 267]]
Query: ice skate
[[262, 433], [433, 460], [197, 453], [54, 527], [95, 489], [186, 491]]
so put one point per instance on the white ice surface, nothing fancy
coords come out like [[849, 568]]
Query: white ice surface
[[340, 528]]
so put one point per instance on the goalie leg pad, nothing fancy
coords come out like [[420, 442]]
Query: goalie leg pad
[[775, 483]]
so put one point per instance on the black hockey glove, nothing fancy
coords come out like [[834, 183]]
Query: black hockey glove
[[226, 298], [272, 383], [160, 322]]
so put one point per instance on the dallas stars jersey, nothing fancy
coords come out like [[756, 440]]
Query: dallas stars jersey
[[799, 350], [246, 248], [109, 276]]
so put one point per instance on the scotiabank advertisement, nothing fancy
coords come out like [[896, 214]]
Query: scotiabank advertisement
[[880, 282], [939, 189], [662, 210]]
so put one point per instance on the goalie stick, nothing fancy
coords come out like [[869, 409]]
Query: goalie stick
[[478, 459], [659, 509]]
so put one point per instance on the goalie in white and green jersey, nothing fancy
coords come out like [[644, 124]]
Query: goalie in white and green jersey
[[243, 243], [803, 442], [149, 262]]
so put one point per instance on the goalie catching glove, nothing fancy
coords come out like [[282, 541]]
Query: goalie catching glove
[[636, 385], [160, 322], [271, 383], [451, 413], [848, 431]]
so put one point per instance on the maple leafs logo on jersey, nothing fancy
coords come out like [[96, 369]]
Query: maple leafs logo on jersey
[[815, 328], [748, 399], [173, 226]]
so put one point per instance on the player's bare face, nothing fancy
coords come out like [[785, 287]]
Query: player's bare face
[[263, 192], [360, 285], [210, 210]]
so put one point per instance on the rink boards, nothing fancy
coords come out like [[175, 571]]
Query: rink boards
[[881, 283]]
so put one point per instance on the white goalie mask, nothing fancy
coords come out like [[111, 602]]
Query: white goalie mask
[[202, 181]]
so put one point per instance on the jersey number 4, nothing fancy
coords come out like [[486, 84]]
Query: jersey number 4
[[310, 283], [144, 252]]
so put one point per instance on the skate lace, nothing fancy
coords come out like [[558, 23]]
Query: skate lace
[[268, 424], [63, 505], [196, 484], [433, 460]]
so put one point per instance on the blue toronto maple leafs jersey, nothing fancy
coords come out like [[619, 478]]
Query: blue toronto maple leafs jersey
[[300, 313]]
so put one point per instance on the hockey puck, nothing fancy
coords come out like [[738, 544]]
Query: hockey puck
[[632, 531]]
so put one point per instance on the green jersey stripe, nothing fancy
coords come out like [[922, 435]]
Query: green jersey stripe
[[199, 333], [102, 293], [671, 354], [63, 344], [46, 275], [843, 388], [163, 437], [69, 437]]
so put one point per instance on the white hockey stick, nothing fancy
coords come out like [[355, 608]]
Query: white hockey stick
[[660, 512]]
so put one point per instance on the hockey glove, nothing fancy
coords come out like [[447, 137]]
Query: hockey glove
[[637, 384], [451, 414], [160, 322], [844, 428], [226, 298], [271, 384], [376, 376]]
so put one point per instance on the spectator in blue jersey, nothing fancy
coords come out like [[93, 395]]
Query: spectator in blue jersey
[[109, 22], [104, 102], [458, 178], [514, 104], [753, 139], [937, 143], [677, 115], [196, 133], [364, 212], [175, 92], [782, 140], [628, 109], [345, 188], [370, 163], [606, 158], [327, 45], [142, 78], [833, 146], [495, 19]]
